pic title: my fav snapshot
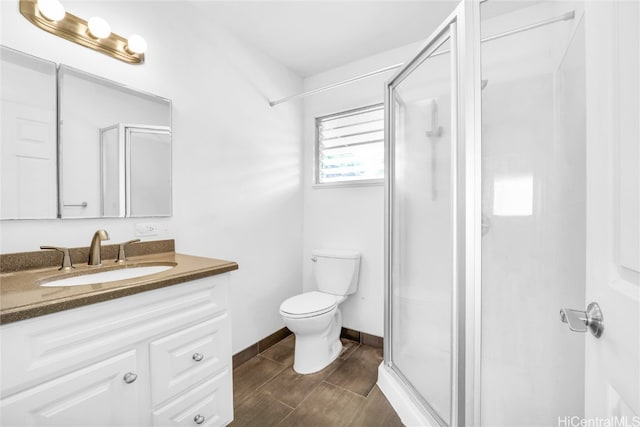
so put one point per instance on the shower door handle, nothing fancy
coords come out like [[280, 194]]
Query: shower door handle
[[583, 321]]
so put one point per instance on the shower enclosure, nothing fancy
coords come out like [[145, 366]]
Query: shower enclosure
[[497, 217]]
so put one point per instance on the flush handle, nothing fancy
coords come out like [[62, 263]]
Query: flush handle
[[198, 357], [583, 321], [314, 258]]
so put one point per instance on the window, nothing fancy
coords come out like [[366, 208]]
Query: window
[[350, 146]]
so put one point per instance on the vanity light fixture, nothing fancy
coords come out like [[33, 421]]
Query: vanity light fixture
[[96, 34], [136, 44], [53, 10], [99, 28]]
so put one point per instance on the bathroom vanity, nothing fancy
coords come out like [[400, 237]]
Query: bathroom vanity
[[148, 351]]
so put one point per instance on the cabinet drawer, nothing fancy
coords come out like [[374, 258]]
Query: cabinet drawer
[[210, 403], [189, 356], [96, 395]]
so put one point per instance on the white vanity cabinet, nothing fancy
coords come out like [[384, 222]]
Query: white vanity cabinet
[[156, 358]]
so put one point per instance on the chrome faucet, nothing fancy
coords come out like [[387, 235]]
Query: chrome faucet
[[95, 250]]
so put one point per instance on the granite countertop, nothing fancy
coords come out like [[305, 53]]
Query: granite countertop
[[22, 297]]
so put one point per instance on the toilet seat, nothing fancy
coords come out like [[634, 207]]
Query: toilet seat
[[308, 304]]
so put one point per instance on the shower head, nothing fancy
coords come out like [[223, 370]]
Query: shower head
[[484, 84]]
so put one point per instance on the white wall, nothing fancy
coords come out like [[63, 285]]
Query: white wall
[[237, 185], [348, 217]]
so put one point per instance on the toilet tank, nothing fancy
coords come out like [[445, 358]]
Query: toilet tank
[[336, 270]]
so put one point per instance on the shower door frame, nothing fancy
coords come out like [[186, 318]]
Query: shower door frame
[[464, 27]]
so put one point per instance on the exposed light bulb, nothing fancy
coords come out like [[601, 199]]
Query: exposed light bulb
[[53, 10], [99, 28], [136, 44]]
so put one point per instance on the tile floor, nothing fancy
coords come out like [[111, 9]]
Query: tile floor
[[268, 392]]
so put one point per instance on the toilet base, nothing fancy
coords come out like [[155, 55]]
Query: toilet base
[[314, 352], [308, 361]]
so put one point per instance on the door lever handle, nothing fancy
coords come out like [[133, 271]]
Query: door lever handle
[[583, 321], [576, 319]]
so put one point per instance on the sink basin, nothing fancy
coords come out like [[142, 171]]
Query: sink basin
[[108, 276]]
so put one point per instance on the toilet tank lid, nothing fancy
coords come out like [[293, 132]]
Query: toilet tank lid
[[336, 253]]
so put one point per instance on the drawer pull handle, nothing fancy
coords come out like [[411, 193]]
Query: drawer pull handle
[[198, 357], [199, 419], [130, 377]]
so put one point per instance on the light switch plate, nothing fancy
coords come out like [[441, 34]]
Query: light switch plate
[[145, 229]]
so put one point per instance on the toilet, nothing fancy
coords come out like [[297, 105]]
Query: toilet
[[314, 317]]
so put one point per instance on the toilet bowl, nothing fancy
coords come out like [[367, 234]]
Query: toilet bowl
[[314, 317]]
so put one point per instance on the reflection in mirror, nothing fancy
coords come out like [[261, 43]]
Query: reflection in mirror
[[136, 163], [105, 170], [111, 171], [28, 136], [148, 171]]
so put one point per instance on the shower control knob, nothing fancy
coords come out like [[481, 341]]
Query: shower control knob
[[199, 419], [198, 357]]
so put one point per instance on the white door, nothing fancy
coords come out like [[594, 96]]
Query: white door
[[28, 162], [28, 172], [612, 363]]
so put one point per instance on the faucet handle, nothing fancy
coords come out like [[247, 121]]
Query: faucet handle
[[66, 258], [122, 257]]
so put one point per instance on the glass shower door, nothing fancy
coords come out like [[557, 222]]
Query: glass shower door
[[502, 208], [533, 214], [422, 123]]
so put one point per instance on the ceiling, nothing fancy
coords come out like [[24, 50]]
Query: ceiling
[[311, 36]]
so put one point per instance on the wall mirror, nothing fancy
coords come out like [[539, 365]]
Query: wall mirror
[[114, 148], [28, 181], [75, 145]]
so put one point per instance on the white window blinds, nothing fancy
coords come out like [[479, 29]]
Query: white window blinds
[[350, 146]]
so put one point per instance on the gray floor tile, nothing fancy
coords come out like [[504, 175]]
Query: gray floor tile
[[259, 410], [348, 347], [291, 388], [327, 405], [359, 372], [281, 352], [267, 392], [377, 411], [251, 375]]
